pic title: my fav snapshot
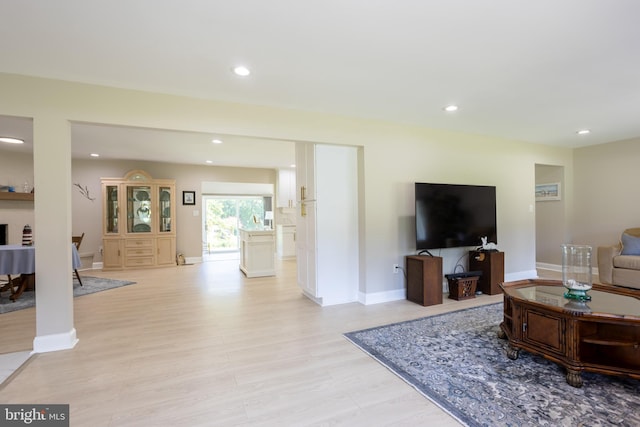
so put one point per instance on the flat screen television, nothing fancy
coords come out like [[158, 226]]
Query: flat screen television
[[452, 216]]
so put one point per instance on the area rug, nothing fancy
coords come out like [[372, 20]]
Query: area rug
[[90, 285], [458, 362]]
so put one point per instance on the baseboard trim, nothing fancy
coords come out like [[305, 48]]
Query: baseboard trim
[[558, 268], [550, 267], [55, 342], [380, 297], [520, 275], [400, 294]]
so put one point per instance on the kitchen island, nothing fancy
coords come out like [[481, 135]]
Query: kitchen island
[[257, 252]]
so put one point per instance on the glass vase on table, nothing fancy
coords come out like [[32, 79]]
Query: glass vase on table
[[576, 271]]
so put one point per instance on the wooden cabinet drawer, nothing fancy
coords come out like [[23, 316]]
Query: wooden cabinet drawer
[[138, 243], [140, 262], [141, 251]]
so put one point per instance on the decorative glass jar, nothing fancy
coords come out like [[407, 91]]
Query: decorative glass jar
[[576, 271]]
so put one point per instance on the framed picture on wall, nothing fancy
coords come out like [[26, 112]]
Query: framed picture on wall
[[546, 192], [188, 197]]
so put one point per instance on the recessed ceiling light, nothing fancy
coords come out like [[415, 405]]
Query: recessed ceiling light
[[450, 108], [241, 71], [94, 155], [293, 166], [10, 140], [209, 161], [216, 141], [583, 132]]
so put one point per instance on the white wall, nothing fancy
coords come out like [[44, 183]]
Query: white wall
[[393, 158], [606, 192], [551, 230]]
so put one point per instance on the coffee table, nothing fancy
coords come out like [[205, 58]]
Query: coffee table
[[601, 335]]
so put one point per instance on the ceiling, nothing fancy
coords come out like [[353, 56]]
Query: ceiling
[[535, 71]]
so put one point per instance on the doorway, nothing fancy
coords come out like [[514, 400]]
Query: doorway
[[550, 218], [224, 216]]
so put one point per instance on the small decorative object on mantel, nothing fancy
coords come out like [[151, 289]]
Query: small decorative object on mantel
[[27, 236], [488, 246], [576, 271]]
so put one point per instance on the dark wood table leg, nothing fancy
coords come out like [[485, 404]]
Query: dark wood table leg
[[574, 378], [23, 282], [512, 352]]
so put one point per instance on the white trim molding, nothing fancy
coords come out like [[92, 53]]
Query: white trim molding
[[55, 342], [558, 268], [380, 297]]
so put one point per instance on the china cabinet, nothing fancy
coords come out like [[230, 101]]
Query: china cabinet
[[138, 221]]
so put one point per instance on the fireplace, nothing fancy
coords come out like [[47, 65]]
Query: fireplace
[[3, 234]]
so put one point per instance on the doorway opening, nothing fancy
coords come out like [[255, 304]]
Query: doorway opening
[[224, 216]]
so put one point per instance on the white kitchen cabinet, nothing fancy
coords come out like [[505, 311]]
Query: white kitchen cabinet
[[327, 234], [286, 241], [305, 171], [286, 195], [257, 253]]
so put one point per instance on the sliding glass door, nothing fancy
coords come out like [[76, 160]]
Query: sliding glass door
[[225, 215]]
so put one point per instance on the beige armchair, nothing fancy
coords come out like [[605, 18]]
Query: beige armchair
[[617, 269]]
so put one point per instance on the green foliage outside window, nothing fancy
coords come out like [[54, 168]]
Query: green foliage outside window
[[225, 216]]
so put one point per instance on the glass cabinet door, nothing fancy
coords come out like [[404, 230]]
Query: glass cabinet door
[[139, 218], [164, 197], [111, 210]]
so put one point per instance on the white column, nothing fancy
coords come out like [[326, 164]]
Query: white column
[[52, 234]]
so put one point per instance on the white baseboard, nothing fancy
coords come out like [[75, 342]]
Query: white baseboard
[[520, 275], [55, 342], [550, 267], [400, 294], [312, 298], [380, 297], [558, 268], [190, 260]]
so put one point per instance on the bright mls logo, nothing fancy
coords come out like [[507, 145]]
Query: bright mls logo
[[34, 415]]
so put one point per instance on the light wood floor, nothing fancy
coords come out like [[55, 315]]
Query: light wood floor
[[201, 345]]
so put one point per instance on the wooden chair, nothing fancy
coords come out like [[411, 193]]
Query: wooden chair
[[77, 240], [10, 285]]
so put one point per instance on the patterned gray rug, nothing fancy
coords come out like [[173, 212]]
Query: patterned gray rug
[[458, 362], [90, 285]]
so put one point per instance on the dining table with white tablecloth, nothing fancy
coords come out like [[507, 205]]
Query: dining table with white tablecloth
[[18, 260]]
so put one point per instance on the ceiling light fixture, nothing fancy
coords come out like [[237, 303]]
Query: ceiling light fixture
[[10, 140], [94, 155], [450, 108], [583, 132], [209, 161], [216, 141], [241, 71]]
